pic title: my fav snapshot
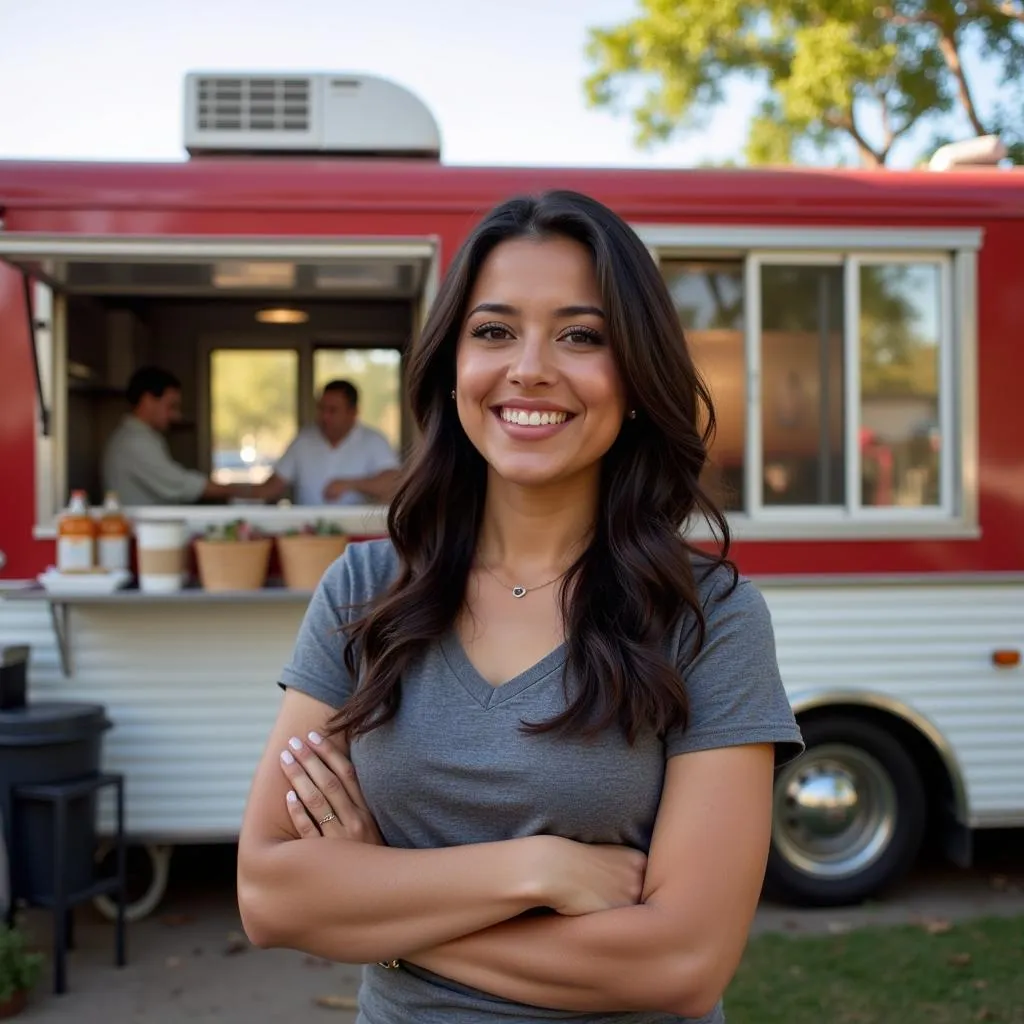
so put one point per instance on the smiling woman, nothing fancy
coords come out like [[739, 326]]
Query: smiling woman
[[539, 393], [551, 722]]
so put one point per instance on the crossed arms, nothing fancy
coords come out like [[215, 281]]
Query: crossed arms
[[456, 911]]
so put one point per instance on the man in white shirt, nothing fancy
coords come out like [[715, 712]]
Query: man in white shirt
[[340, 461], [137, 462]]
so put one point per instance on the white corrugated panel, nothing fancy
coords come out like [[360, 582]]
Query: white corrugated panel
[[929, 647], [191, 688], [191, 691]]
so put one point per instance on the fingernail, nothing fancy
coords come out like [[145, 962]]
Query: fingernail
[[315, 737], [291, 796], [287, 757], [295, 743]]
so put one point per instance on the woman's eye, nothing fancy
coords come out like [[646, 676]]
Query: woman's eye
[[491, 332], [583, 336]]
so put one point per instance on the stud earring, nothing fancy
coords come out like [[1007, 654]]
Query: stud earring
[[632, 414], [453, 394]]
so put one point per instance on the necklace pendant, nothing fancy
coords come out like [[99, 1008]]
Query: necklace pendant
[[519, 591]]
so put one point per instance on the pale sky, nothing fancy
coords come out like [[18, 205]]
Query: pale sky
[[104, 79]]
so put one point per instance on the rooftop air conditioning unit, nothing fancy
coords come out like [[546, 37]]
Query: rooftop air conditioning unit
[[984, 151], [336, 114]]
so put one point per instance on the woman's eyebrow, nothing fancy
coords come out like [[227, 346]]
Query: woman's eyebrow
[[564, 311], [580, 311]]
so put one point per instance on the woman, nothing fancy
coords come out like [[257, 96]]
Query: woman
[[546, 791]]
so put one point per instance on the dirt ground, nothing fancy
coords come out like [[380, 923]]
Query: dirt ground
[[189, 961]]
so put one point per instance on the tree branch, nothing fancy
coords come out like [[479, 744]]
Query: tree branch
[[950, 49], [846, 123], [1010, 10], [898, 133], [887, 128], [951, 53], [902, 20]]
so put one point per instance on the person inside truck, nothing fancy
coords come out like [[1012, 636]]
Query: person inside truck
[[137, 461], [338, 461]]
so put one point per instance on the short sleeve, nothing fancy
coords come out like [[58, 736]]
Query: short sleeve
[[733, 683], [317, 663], [286, 467]]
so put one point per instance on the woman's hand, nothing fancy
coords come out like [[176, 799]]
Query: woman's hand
[[575, 878], [583, 878], [325, 798]]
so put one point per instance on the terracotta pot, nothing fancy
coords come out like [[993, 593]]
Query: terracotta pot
[[233, 564], [305, 558], [14, 1005]]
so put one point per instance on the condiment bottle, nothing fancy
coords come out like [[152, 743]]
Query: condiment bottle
[[114, 535], [76, 536]]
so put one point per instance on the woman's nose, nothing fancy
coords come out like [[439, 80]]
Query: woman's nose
[[531, 364]]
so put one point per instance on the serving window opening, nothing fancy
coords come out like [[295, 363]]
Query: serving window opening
[[253, 341]]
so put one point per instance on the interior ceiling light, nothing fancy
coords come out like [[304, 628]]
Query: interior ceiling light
[[257, 274], [281, 315]]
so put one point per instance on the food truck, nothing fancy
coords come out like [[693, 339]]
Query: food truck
[[860, 332]]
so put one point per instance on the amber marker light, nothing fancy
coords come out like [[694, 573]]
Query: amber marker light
[[1006, 657]]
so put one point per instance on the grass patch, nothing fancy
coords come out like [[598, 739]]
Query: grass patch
[[969, 972]]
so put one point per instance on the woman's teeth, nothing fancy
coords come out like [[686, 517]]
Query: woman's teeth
[[522, 418]]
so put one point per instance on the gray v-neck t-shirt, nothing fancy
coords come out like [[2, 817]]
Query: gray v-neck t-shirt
[[453, 766]]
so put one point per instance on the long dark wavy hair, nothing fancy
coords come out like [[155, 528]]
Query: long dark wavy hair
[[628, 589]]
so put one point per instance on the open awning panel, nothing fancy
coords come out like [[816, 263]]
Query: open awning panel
[[226, 268]]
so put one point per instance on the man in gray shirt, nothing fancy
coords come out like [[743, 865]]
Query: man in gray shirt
[[137, 462]]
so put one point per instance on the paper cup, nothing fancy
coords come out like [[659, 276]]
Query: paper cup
[[161, 548]]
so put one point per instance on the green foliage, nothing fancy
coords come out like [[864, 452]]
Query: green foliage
[[19, 968], [318, 528], [899, 355], [254, 394], [830, 67], [237, 530]]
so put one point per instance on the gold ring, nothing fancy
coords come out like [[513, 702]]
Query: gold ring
[[327, 818]]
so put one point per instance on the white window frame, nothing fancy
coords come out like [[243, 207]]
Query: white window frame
[[46, 254], [51, 466], [954, 250], [753, 479], [946, 509]]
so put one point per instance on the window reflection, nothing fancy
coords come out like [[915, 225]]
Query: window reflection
[[253, 411], [709, 298], [802, 385], [899, 385]]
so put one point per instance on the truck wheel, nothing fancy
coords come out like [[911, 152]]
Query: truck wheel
[[848, 816], [153, 876]]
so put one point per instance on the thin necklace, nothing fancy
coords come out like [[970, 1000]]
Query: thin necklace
[[519, 590]]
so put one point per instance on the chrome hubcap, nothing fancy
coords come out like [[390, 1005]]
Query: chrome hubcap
[[834, 811]]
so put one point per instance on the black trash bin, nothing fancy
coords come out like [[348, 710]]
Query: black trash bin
[[13, 673], [47, 742]]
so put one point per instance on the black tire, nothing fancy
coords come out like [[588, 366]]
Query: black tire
[[870, 836]]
